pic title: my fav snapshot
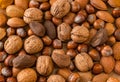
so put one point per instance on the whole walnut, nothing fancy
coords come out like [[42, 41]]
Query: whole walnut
[[27, 75], [79, 34], [83, 62], [32, 14], [60, 8], [33, 44], [44, 65], [64, 32], [13, 44], [55, 78]]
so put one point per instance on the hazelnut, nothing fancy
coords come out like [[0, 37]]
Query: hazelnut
[[106, 51], [71, 45], [10, 31], [75, 7], [117, 22], [90, 9], [110, 28], [44, 6], [117, 67], [34, 3], [48, 15], [94, 54], [6, 72], [74, 77], [46, 40], [71, 52], [21, 32], [57, 44], [97, 68], [117, 34], [98, 24], [82, 48], [116, 12]]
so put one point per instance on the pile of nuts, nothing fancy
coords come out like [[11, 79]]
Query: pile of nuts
[[59, 40]]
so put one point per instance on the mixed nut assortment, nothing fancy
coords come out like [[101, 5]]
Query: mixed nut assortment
[[59, 40]]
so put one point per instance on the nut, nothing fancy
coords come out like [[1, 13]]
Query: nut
[[3, 19], [116, 50], [2, 33], [33, 44], [83, 62], [117, 65], [82, 3], [114, 3], [110, 28], [54, 78]]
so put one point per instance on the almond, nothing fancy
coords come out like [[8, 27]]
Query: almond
[[99, 4], [82, 3], [104, 15], [108, 66], [2, 33], [114, 3], [116, 50]]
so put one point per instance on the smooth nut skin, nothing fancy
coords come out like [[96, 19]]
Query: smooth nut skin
[[2, 33], [13, 44], [117, 34], [79, 34], [74, 77], [3, 19], [57, 44], [112, 79], [21, 32], [97, 68], [6, 71], [117, 22], [60, 58], [10, 31], [116, 50], [27, 75], [34, 3], [83, 62], [44, 65], [32, 14], [114, 3], [60, 8], [33, 44], [75, 6], [14, 11], [55, 78], [106, 51], [117, 67], [63, 31], [46, 40], [8, 60]]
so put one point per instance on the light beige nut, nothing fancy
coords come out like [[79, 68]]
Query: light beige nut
[[2, 33], [99, 4], [106, 16], [16, 22], [27, 75], [60, 8], [32, 14], [13, 44], [83, 62], [14, 11]]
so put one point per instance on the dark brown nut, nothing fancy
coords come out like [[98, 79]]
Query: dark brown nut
[[99, 24], [21, 2], [6, 72], [117, 34], [21, 32], [85, 76], [56, 21], [107, 66], [82, 48], [44, 65], [15, 71], [3, 19], [2, 33], [117, 67], [106, 16], [116, 12], [116, 50], [11, 79], [23, 61], [71, 45], [8, 60], [2, 79], [90, 9], [13, 44], [3, 56], [47, 40], [99, 4], [10, 31], [75, 7], [94, 54], [69, 18], [64, 72], [71, 52], [14, 11], [83, 62], [82, 3], [54, 78], [47, 51], [79, 18], [117, 22], [60, 58], [74, 77], [33, 44], [48, 15], [111, 40], [110, 28], [42, 79], [91, 18], [97, 68], [27, 75], [30, 32], [16, 22], [63, 31], [100, 37], [79, 34], [34, 3], [1, 45], [57, 44], [32, 14], [37, 28], [102, 77], [44, 6], [60, 8], [106, 51], [50, 29]]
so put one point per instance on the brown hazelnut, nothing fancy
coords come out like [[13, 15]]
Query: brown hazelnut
[[56, 21], [71, 45], [71, 52], [57, 44], [116, 12], [21, 32], [6, 72], [90, 9], [111, 40], [72, 66], [47, 51], [86, 24], [48, 15], [82, 4], [54, 78], [117, 34], [11, 79], [44, 6], [34, 3], [110, 28], [42, 79], [82, 48], [3, 56], [117, 22], [99, 24], [97, 68], [30, 32], [91, 18], [46, 40], [106, 51], [10, 31], [75, 7], [79, 18], [15, 71], [74, 77], [8, 60]]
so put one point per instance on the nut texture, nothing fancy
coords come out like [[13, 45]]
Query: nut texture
[[55, 78]]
